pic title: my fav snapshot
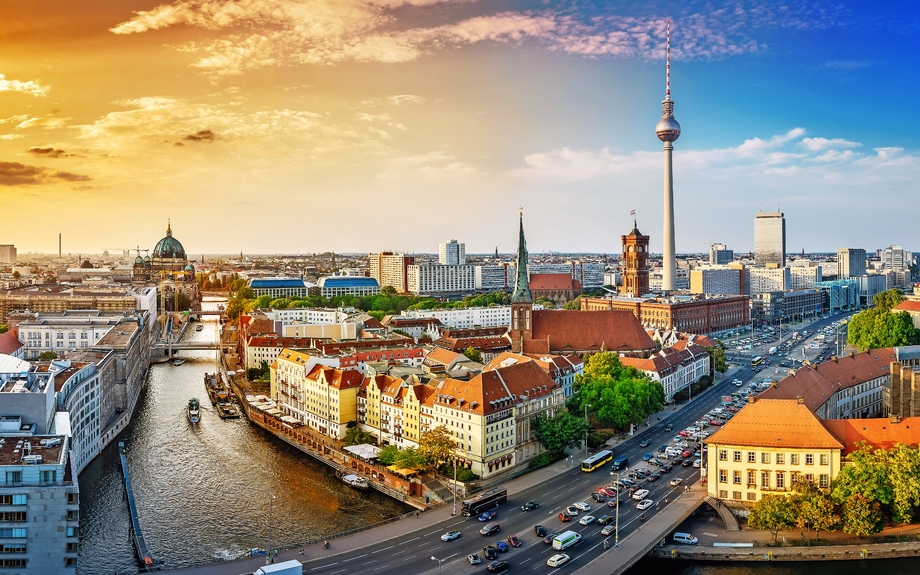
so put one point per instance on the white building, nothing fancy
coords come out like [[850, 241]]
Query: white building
[[429, 279], [7, 254], [333, 286], [465, 318], [61, 331], [719, 255], [804, 277], [452, 253], [722, 280], [896, 258], [770, 239], [391, 269], [495, 277], [769, 279]]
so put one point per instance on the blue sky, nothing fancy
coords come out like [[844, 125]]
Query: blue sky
[[364, 125]]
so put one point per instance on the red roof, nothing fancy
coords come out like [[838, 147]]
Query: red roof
[[583, 331], [9, 341], [880, 433], [908, 305], [553, 282]]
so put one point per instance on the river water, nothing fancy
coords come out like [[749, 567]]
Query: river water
[[203, 492]]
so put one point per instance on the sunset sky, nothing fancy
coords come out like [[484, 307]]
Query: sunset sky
[[299, 126]]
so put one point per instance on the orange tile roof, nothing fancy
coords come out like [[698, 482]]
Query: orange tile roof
[[817, 383], [552, 281], [881, 433], [337, 378], [582, 331], [775, 423], [9, 341], [907, 305], [494, 390], [439, 355]]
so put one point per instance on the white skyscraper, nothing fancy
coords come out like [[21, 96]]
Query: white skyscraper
[[452, 253], [668, 130]]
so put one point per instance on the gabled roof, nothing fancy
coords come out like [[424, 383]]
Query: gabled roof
[[783, 423], [817, 383], [553, 282], [495, 390], [908, 306], [441, 356], [880, 433], [582, 331], [9, 341], [336, 378]]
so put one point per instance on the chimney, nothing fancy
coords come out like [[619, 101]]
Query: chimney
[[800, 399], [895, 419]]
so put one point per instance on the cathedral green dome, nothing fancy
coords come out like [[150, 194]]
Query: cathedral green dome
[[169, 247]]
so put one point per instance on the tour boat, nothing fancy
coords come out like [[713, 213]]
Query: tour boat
[[355, 481], [179, 361], [199, 327], [194, 411]]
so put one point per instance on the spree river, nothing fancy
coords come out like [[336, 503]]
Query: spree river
[[203, 492]]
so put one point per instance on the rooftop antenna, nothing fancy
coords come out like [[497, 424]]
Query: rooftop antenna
[[667, 92]]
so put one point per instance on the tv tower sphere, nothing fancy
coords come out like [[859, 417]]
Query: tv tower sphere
[[668, 130]]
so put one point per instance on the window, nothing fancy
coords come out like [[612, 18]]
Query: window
[[71, 531], [780, 458], [809, 459], [72, 515], [723, 455], [70, 562], [823, 459], [824, 480], [765, 479], [765, 457], [12, 562], [750, 478], [13, 499], [736, 456], [794, 458], [49, 476], [13, 516], [723, 476], [13, 477], [780, 480], [810, 477], [71, 547], [751, 496], [736, 495], [19, 533], [736, 477], [751, 457], [13, 548], [723, 494]]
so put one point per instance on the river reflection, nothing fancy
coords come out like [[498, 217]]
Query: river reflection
[[203, 491]]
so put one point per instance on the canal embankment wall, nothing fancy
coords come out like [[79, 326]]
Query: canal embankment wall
[[860, 551]]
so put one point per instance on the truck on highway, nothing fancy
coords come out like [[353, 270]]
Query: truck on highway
[[773, 350], [565, 540], [292, 567]]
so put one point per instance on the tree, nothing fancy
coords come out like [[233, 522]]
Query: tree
[[4, 327], [865, 475], [880, 327], [717, 357], [560, 432], [387, 454], [473, 354], [903, 467], [435, 446], [357, 436], [861, 516], [17, 275], [814, 508], [575, 304], [388, 290], [888, 299], [47, 355], [616, 395], [773, 513], [410, 458]]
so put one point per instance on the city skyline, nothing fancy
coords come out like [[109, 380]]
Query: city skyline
[[221, 114]]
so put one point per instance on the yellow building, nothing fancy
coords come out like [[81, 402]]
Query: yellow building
[[390, 408], [322, 398], [768, 446]]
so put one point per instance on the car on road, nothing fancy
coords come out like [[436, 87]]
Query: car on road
[[539, 530], [450, 536], [529, 506], [514, 541], [605, 519], [498, 566], [490, 528], [563, 516], [489, 553], [501, 546], [572, 510], [613, 503], [549, 538], [607, 491], [597, 497], [487, 516], [645, 443], [653, 477], [557, 560], [474, 559], [641, 473], [697, 462], [582, 506], [675, 482], [676, 461], [648, 456], [608, 530], [640, 495], [587, 520], [655, 461], [668, 428], [662, 448], [645, 504], [665, 469]]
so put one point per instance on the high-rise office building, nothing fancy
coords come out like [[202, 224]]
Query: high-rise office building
[[7, 254], [720, 255], [668, 130], [896, 258], [452, 253], [770, 239], [390, 269], [851, 263]]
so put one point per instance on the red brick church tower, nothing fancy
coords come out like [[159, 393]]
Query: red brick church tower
[[635, 263], [521, 299]]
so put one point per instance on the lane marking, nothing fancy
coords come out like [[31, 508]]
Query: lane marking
[[369, 562], [324, 566], [384, 549], [410, 557], [409, 541], [381, 567], [353, 558]]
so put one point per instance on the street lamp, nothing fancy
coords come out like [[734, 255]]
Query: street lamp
[[616, 523], [433, 558], [586, 428]]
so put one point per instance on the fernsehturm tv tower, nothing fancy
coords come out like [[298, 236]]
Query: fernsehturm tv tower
[[668, 130]]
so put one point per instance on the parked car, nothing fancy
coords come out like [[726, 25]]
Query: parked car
[[572, 510], [501, 546], [647, 456], [662, 448], [581, 505], [666, 469], [597, 497], [607, 491]]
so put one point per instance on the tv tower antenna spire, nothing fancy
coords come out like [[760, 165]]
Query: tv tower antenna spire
[[667, 92]]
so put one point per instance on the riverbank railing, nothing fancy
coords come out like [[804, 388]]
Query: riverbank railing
[[140, 544]]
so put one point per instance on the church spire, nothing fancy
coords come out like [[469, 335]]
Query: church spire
[[521, 292], [168, 227]]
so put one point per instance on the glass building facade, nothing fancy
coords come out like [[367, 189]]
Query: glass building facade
[[770, 239]]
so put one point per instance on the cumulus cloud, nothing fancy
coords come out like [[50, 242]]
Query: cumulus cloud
[[49, 122], [249, 34], [17, 174], [48, 152], [816, 144], [28, 87], [201, 136]]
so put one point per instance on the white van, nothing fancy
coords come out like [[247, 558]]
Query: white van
[[685, 539]]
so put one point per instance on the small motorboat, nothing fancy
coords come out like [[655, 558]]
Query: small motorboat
[[194, 411]]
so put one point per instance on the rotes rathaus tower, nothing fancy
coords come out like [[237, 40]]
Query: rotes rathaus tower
[[668, 130]]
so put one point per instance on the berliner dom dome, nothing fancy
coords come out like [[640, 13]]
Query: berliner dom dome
[[169, 247]]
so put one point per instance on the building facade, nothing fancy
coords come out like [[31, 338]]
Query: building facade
[[7, 254], [840, 295], [391, 269], [334, 286], [698, 314], [719, 255], [770, 239], [282, 287], [635, 266], [805, 277], [452, 253], [723, 280], [59, 332], [769, 279], [786, 306], [441, 280], [851, 262]]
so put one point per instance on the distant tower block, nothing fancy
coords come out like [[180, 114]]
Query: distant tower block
[[668, 130]]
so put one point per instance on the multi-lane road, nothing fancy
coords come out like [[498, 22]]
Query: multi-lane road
[[414, 552]]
